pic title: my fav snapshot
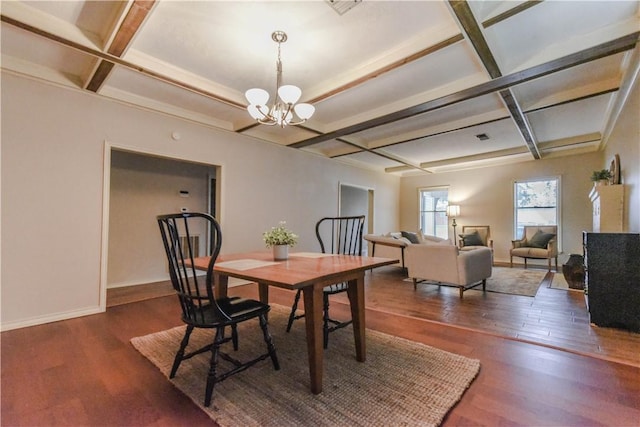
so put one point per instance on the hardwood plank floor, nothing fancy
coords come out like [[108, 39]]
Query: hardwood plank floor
[[129, 294], [555, 318], [85, 372]]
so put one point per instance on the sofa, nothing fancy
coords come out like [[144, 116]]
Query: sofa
[[447, 265], [394, 244]]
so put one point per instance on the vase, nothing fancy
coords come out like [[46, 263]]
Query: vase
[[280, 252], [573, 271]]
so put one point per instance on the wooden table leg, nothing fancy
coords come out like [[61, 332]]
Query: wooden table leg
[[313, 321], [221, 285], [263, 292], [355, 291]]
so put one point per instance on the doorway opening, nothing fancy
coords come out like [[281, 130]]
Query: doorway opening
[[138, 186], [357, 200]]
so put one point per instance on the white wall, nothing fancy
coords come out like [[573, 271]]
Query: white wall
[[485, 196], [52, 191]]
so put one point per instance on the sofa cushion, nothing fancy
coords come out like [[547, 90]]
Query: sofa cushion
[[472, 239], [540, 240], [412, 237], [429, 239]]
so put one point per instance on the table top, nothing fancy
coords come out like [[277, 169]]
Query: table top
[[300, 270]]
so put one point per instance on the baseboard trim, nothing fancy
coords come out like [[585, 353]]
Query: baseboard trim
[[40, 320]]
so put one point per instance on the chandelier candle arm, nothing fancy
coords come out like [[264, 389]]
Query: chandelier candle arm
[[285, 98]]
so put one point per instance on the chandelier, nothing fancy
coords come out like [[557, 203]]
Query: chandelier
[[281, 112]]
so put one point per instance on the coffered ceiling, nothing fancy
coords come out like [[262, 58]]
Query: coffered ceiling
[[399, 86]]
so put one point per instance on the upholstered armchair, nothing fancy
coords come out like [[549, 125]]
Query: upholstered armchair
[[538, 242], [447, 265], [474, 237]]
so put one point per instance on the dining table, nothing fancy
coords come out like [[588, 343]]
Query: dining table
[[311, 272]]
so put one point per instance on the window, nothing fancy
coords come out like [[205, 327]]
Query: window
[[433, 211], [536, 202]]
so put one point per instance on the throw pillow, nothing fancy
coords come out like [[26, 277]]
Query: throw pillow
[[412, 237], [471, 239], [540, 239]]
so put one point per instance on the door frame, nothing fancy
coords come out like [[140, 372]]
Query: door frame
[[106, 190]]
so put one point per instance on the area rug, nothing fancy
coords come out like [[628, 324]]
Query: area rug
[[505, 280], [515, 281], [401, 383]]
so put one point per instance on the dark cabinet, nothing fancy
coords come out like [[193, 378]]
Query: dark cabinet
[[612, 279]]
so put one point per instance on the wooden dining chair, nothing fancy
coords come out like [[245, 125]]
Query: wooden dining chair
[[336, 235], [183, 236]]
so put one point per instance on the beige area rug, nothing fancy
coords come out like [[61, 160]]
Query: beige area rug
[[505, 280], [516, 281], [559, 282], [401, 383]]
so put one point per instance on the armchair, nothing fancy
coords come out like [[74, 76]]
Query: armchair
[[475, 236], [447, 265], [538, 242]]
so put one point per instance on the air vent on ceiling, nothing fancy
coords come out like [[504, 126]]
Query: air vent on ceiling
[[342, 6], [482, 136]]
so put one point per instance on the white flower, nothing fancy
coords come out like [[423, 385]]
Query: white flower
[[279, 236]]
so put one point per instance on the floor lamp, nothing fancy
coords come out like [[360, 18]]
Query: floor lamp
[[453, 211]]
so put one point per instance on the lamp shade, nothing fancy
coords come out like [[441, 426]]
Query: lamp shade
[[289, 93], [257, 96], [453, 210], [304, 111], [254, 112]]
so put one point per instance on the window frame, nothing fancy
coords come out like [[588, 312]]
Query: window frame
[[421, 211]]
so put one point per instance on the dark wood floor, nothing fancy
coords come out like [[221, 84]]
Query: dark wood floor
[[555, 318], [85, 372]]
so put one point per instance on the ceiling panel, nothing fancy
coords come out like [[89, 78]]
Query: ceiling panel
[[451, 68], [502, 135], [566, 120], [470, 112], [370, 160], [552, 29], [583, 80], [153, 91], [230, 42], [42, 57]]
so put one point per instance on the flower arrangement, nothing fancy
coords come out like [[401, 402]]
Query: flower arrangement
[[601, 175], [279, 236]]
